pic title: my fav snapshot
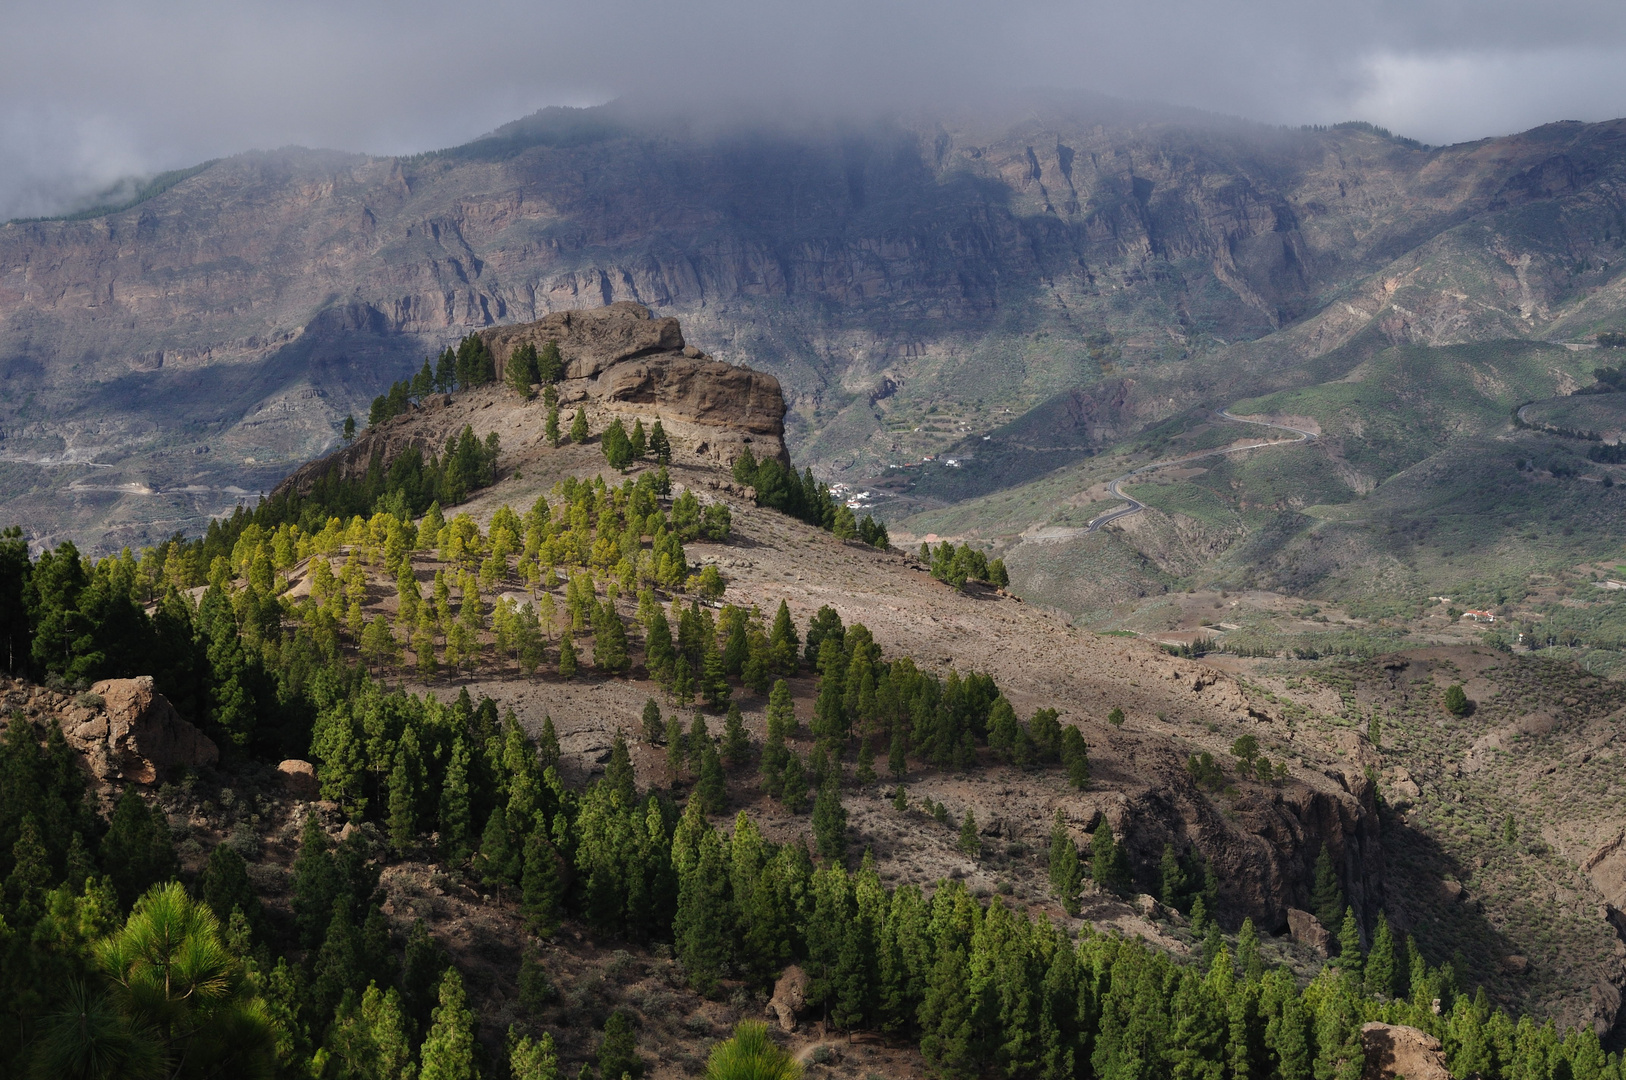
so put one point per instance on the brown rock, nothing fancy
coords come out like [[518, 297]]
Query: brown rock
[[590, 339], [1393, 1052], [135, 734], [789, 997], [299, 777], [1307, 930], [621, 364]]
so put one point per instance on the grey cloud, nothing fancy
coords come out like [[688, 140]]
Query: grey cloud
[[91, 90]]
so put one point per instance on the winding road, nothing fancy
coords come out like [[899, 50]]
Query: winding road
[[1136, 506]]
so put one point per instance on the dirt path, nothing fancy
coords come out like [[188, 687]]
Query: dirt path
[[1136, 506]]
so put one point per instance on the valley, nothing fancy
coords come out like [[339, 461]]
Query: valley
[[1032, 560]]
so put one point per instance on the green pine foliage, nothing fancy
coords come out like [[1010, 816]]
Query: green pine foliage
[[1326, 895], [830, 822], [1109, 865], [1066, 871]]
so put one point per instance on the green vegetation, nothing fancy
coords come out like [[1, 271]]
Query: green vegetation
[[751, 1055], [150, 190], [806, 499]]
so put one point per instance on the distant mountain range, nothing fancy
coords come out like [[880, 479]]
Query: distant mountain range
[[1091, 267]]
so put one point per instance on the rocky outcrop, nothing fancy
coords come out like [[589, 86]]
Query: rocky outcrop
[[299, 779], [1262, 841], [125, 729], [622, 364], [590, 339], [1395, 1052], [1308, 931], [620, 361], [789, 998]]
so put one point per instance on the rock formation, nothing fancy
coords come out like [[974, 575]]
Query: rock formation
[[1307, 930], [789, 998], [125, 729], [622, 363], [1394, 1052]]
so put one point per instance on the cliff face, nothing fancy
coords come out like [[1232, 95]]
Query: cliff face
[[204, 341], [620, 364]]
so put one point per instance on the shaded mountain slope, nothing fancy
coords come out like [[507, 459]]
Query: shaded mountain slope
[[977, 266]]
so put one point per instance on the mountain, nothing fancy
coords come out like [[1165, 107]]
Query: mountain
[[1081, 268], [465, 752]]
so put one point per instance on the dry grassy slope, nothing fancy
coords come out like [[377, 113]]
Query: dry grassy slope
[[1261, 838]]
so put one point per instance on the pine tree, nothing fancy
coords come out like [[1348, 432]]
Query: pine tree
[[448, 1049], [783, 642], [654, 729], [897, 758], [456, 820], [578, 427], [541, 886], [711, 787], [946, 1015], [701, 923], [619, 772], [793, 784], [530, 1059], [781, 711], [866, 761], [551, 431], [970, 842], [830, 821], [618, 1052], [1065, 871], [1172, 884], [30, 874], [660, 447], [682, 681], [496, 851], [713, 676], [829, 714], [547, 745], [1109, 865], [676, 755], [609, 640], [1383, 970], [1247, 952], [736, 743], [137, 852], [1326, 897], [1349, 945], [1075, 757], [403, 794], [567, 656], [699, 739]]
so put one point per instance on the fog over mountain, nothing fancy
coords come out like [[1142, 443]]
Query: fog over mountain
[[93, 91]]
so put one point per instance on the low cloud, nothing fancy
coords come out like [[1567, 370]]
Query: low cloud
[[94, 90]]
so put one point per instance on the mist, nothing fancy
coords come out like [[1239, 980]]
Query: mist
[[92, 92]]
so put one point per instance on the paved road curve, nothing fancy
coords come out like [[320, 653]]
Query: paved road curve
[[1135, 506]]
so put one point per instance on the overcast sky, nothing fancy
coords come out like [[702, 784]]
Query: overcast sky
[[92, 90]]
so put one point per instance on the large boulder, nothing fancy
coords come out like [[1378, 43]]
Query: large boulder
[[589, 339], [134, 733], [789, 997], [1394, 1052], [1307, 930]]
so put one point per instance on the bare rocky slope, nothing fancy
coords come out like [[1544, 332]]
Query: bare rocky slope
[[909, 282]]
